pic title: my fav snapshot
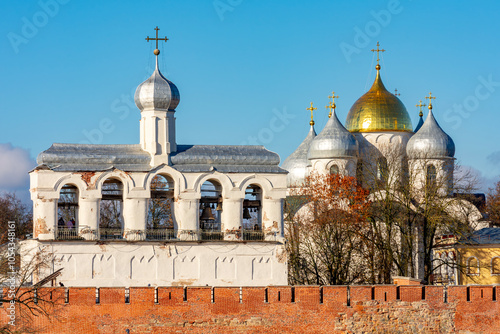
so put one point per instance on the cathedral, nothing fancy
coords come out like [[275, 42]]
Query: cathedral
[[378, 138], [159, 213]]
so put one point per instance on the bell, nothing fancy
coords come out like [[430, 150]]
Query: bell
[[219, 206], [246, 214], [207, 214]]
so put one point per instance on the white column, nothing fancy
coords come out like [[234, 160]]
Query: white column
[[44, 218], [88, 218], [187, 216], [272, 216], [134, 218], [232, 215]]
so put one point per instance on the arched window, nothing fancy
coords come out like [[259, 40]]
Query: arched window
[[431, 176], [495, 265], [472, 266], [111, 210], [334, 169], [252, 213], [382, 169], [160, 218], [210, 210], [67, 211], [359, 172]]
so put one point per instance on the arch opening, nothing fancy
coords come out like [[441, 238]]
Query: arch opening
[[67, 212], [111, 210], [160, 216], [211, 211], [252, 213]]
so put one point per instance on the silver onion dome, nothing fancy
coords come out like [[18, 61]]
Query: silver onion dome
[[430, 141], [333, 142], [296, 163], [157, 92]]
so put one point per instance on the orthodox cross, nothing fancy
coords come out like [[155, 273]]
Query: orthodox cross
[[396, 92], [377, 50], [332, 104], [420, 105], [157, 51], [311, 109], [430, 97]]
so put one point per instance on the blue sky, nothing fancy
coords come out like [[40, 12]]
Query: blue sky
[[246, 70]]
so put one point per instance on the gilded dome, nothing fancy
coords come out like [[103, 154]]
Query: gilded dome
[[157, 92], [378, 110]]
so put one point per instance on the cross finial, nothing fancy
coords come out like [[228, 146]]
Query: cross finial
[[396, 92], [420, 105], [378, 50], [332, 104], [157, 51], [430, 97], [311, 108]]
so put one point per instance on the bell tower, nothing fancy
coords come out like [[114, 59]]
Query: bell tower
[[157, 98]]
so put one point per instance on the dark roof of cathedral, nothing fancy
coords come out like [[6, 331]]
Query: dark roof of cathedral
[[488, 235], [188, 158]]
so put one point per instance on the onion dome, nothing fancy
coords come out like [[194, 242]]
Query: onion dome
[[157, 92], [334, 141], [296, 163], [378, 110], [420, 122], [430, 141]]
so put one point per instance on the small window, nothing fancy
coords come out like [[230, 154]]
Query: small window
[[382, 169], [495, 265], [472, 266], [334, 169], [431, 175]]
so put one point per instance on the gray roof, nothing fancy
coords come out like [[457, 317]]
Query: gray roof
[[488, 235], [188, 158], [334, 141], [89, 157], [430, 141], [296, 163], [226, 158]]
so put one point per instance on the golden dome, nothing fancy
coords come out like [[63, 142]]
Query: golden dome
[[378, 110]]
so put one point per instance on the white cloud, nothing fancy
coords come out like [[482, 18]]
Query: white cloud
[[15, 163]]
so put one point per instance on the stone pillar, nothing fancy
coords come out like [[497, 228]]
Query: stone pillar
[[272, 216], [188, 216], [134, 218], [232, 216], [88, 218], [44, 218]]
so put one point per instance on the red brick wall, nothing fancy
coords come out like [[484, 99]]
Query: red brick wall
[[274, 309]]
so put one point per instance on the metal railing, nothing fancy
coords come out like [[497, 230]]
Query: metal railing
[[160, 234], [211, 235], [110, 233], [68, 233], [252, 235]]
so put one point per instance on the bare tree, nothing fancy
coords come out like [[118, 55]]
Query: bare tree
[[493, 204]]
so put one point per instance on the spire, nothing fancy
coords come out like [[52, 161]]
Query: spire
[[311, 108], [420, 114]]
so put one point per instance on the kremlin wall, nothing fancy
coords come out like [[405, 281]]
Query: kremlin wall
[[273, 309]]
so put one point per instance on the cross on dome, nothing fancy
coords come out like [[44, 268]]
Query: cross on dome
[[332, 104], [420, 105], [311, 108], [156, 51], [396, 92], [378, 58], [430, 97]]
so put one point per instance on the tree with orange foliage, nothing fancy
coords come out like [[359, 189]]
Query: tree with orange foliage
[[324, 221]]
